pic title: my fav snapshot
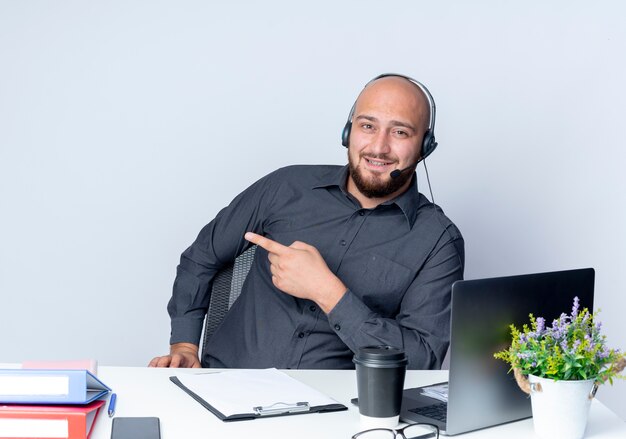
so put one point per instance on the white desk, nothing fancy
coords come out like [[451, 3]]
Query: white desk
[[149, 392]]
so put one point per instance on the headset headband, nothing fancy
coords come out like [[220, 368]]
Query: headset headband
[[422, 87]]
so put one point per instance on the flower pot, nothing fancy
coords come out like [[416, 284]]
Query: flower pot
[[560, 408]]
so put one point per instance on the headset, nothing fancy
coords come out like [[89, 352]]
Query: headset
[[428, 143]]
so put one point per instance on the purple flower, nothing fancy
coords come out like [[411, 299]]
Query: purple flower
[[557, 332], [541, 324], [604, 353], [525, 355], [561, 323], [575, 307]]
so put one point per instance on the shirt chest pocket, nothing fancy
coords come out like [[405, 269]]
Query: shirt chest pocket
[[381, 283]]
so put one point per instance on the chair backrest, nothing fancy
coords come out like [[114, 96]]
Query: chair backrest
[[224, 291]]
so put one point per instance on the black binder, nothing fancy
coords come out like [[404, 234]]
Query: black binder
[[276, 409]]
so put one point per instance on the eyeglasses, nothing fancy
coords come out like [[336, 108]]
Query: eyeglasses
[[411, 431]]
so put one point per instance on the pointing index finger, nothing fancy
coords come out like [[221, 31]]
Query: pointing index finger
[[266, 243]]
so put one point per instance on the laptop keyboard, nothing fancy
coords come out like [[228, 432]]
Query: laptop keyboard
[[435, 411]]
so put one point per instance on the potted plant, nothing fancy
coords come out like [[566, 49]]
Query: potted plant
[[561, 366]]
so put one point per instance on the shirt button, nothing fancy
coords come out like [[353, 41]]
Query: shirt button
[[337, 327], [313, 308], [361, 213], [301, 335], [343, 242]]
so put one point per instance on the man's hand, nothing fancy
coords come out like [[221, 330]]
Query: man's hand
[[181, 355], [300, 270]]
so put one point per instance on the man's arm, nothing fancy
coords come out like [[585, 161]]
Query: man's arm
[[217, 244], [421, 327], [422, 324]]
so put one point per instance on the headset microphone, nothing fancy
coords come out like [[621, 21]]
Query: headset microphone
[[396, 172]]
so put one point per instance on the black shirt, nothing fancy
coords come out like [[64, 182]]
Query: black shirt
[[398, 260]]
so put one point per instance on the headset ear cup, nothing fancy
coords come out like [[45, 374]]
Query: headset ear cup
[[345, 134], [428, 144]]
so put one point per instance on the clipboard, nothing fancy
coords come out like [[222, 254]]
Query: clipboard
[[276, 393]]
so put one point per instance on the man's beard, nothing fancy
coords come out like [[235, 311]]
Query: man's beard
[[377, 187]]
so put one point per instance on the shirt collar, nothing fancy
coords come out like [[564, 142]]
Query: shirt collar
[[408, 201], [337, 177]]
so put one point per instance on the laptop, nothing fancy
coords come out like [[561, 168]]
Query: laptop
[[480, 392]]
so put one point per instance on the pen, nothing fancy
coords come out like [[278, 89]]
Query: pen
[[112, 404]]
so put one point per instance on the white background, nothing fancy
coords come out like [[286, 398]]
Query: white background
[[126, 125]]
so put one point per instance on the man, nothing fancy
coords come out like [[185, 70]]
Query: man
[[348, 256]]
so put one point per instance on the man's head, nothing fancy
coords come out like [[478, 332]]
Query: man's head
[[390, 118]]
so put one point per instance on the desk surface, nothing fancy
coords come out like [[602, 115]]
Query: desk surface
[[148, 392]]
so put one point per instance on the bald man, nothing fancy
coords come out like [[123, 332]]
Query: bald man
[[347, 256]]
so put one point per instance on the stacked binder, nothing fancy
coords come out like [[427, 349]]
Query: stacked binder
[[49, 403]]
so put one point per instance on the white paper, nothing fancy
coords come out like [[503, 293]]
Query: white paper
[[34, 428], [439, 392], [240, 391], [27, 385]]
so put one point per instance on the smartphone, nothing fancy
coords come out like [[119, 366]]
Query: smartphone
[[136, 428]]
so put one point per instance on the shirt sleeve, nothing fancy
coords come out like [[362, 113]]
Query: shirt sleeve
[[422, 325], [217, 245]]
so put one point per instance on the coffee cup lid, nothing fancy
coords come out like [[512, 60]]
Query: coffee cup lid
[[380, 356]]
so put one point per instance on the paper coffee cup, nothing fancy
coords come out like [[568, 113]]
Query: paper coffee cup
[[380, 372]]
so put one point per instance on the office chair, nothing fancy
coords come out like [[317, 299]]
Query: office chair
[[224, 291]]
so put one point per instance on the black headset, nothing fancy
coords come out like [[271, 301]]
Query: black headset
[[428, 144]]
